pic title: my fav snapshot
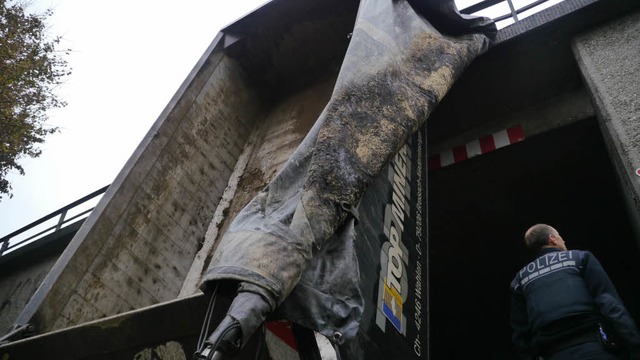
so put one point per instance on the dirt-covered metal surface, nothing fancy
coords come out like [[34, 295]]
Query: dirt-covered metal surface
[[293, 241]]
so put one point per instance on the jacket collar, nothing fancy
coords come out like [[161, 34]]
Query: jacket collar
[[548, 250]]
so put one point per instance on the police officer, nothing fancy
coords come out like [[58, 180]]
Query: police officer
[[562, 303]]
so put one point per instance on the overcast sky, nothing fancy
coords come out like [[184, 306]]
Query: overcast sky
[[128, 59]]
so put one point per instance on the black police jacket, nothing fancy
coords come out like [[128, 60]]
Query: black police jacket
[[562, 292]]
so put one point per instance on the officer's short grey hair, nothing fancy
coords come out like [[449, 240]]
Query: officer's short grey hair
[[538, 236]]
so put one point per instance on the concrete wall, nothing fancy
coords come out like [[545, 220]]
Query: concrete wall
[[609, 59], [23, 270], [199, 164], [197, 168], [269, 147], [17, 286], [138, 245]]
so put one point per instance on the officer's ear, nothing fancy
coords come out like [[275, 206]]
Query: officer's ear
[[552, 240]]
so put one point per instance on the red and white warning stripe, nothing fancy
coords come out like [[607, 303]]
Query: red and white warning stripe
[[280, 341], [476, 147]]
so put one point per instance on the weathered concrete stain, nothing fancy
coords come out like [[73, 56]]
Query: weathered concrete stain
[[269, 146], [143, 255], [279, 135], [17, 286], [610, 63]]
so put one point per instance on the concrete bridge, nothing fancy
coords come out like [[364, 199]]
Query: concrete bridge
[[544, 127]]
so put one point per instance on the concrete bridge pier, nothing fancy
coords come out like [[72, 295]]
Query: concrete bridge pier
[[609, 60]]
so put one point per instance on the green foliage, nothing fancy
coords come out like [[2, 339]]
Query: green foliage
[[30, 69]]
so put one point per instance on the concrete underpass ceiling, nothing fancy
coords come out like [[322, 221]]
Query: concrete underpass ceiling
[[531, 65], [288, 45]]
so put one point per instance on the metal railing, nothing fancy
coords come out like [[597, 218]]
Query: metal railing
[[7, 245], [513, 11]]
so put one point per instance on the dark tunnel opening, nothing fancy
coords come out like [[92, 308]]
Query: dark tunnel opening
[[478, 212]]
